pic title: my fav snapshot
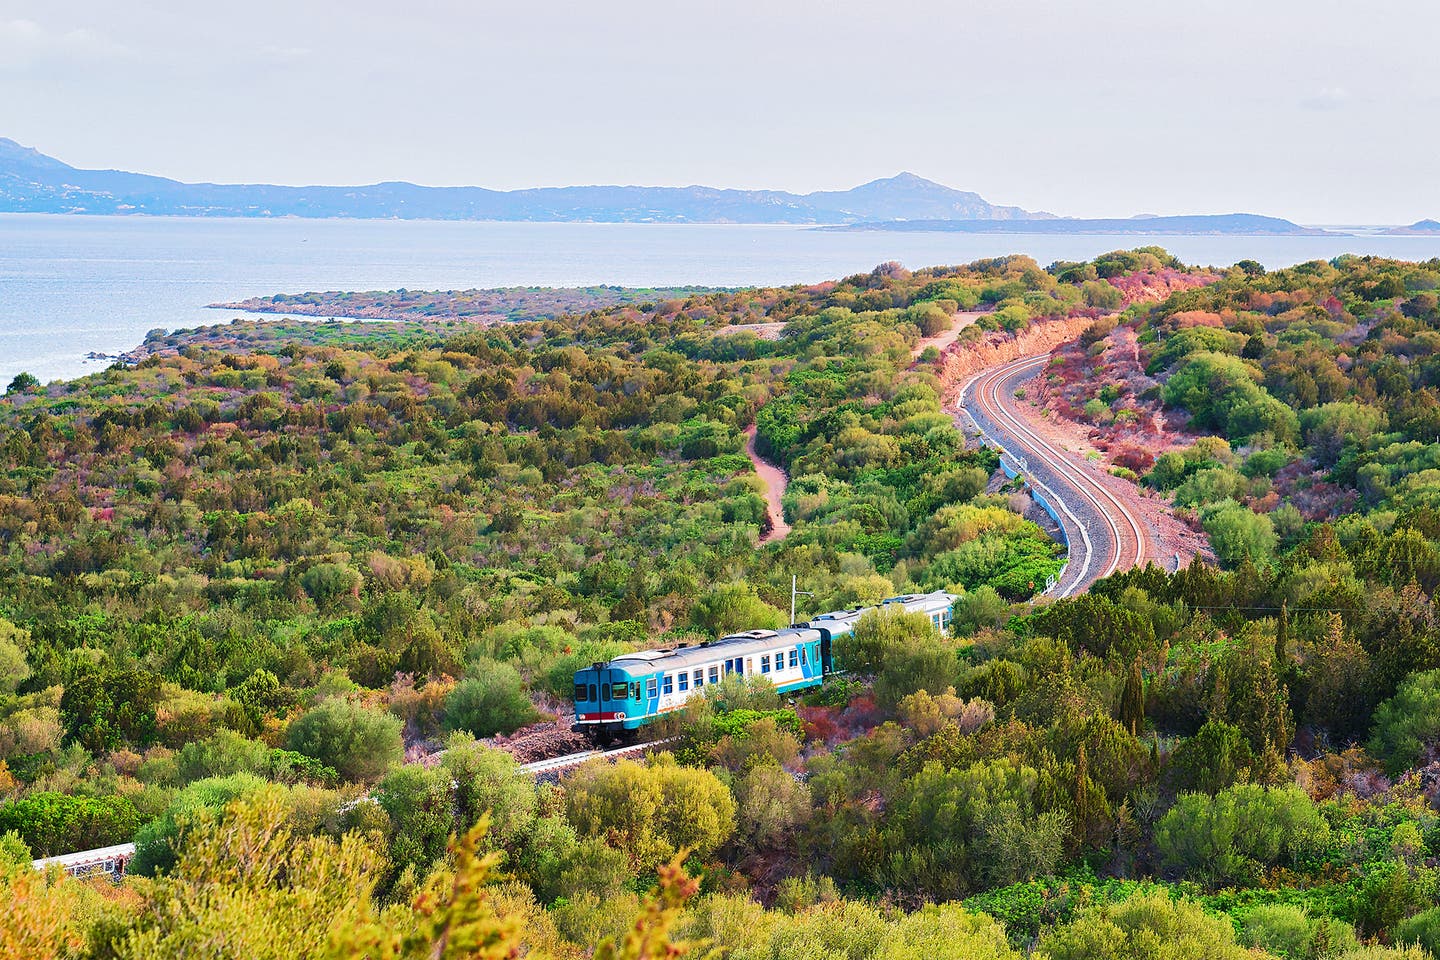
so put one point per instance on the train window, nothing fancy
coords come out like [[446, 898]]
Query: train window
[[593, 698], [579, 693], [750, 665], [805, 655], [715, 674], [621, 691], [684, 679], [794, 659], [667, 685], [652, 688], [765, 663]]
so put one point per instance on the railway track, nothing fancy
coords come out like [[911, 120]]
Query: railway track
[[113, 860], [554, 764], [1102, 534]]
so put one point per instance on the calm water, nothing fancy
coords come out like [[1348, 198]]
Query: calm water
[[72, 285]]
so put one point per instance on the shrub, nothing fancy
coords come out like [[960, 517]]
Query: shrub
[[54, 823], [1149, 926], [1233, 835], [1289, 932], [650, 812], [491, 700], [1422, 930], [1407, 726], [358, 742]]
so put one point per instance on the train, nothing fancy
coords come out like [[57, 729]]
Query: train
[[615, 699]]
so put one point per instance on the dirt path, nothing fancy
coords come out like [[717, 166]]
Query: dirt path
[[943, 340], [775, 481]]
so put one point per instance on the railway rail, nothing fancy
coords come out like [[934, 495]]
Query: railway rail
[[115, 859], [1102, 534]]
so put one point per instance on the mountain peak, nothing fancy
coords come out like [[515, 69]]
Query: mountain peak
[[12, 152], [906, 178]]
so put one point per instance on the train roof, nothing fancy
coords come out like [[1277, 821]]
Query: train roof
[[763, 641], [83, 857], [733, 645]]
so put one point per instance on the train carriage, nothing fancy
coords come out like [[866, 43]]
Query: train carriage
[[616, 698]]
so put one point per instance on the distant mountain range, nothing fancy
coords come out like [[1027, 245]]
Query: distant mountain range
[[1420, 228], [1242, 224], [31, 182]]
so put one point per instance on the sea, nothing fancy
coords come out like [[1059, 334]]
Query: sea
[[77, 290]]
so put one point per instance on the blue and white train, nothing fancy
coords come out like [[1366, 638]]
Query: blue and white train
[[617, 698]]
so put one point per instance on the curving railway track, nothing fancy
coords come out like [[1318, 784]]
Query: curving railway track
[[1102, 534]]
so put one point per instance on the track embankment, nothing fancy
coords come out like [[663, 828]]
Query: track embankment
[[963, 361], [1103, 532]]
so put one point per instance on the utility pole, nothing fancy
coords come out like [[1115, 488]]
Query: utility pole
[[793, 594]]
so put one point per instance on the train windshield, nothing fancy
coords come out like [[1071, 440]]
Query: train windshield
[[579, 692]]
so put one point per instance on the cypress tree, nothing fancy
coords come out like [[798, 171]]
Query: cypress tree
[[1282, 640], [1132, 700]]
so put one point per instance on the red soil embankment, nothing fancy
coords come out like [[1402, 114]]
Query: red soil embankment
[[962, 361]]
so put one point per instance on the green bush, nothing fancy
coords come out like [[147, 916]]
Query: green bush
[[1289, 932], [1150, 926], [491, 700], [1242, 830], [1407, 726], [1422, 930], [55, 823], [358, 742]]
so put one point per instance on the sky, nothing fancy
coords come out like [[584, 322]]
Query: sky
[[1313, 110]]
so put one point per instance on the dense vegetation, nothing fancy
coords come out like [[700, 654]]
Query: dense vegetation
[[237, 586]]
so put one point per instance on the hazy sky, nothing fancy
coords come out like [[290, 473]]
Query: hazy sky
[[1320, 111]]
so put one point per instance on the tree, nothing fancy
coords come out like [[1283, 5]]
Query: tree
[[23, 383], [103, 710], [1407, 726], [43, 915], [979, 608], [952, 830], [157, 843], [490, 782], [1289, 931], [772, 806], [903, 651], [1218, 756], [1132, 699], [735, 607], [13, 669], [221, 755], [358, 742], [1341, 696], [244, 880], [1423, 930], [490, 700]]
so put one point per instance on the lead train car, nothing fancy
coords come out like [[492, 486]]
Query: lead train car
[[617, 698]]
